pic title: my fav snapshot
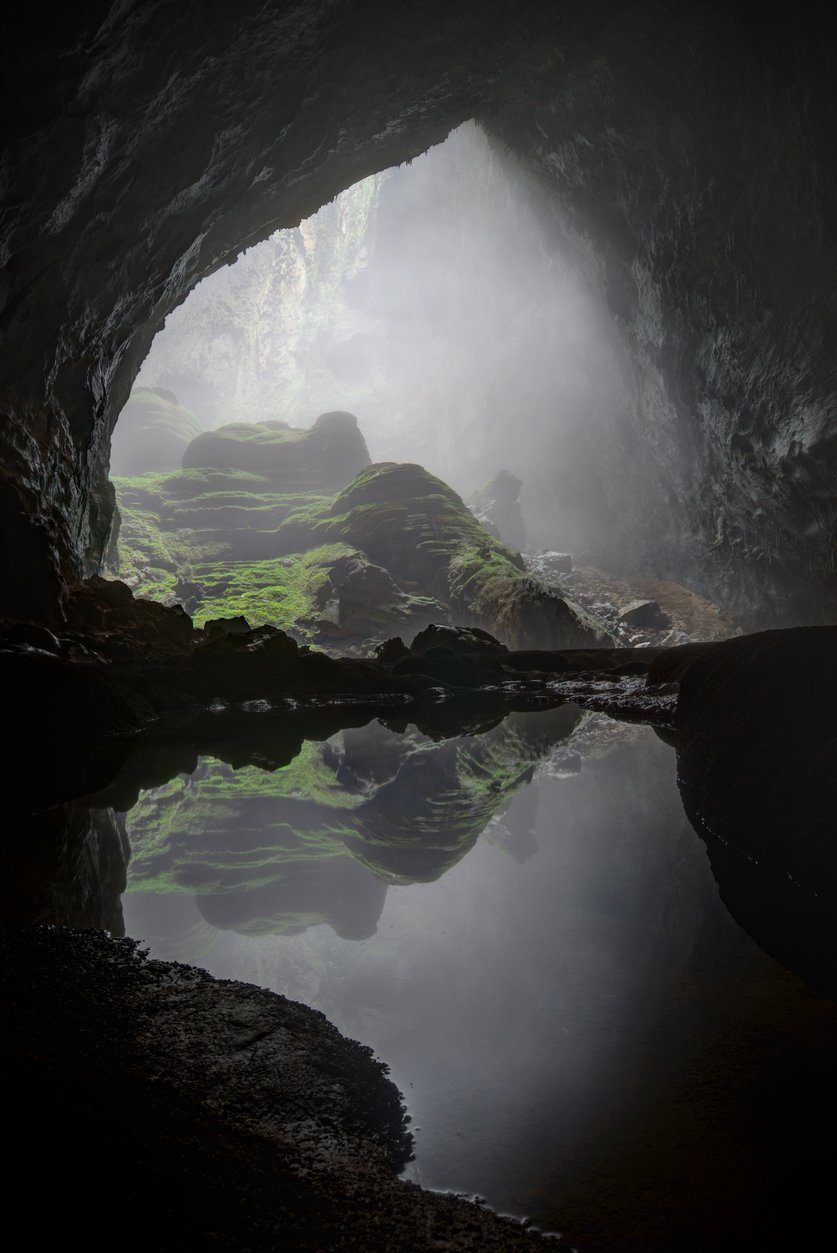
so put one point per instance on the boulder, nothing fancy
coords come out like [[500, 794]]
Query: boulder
[[645, 613], [324, 458], [218, 627], [369, 599]]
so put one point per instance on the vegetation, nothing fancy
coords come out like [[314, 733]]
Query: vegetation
[[226, 540]]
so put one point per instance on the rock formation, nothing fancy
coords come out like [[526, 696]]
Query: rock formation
[[326, 457], [153, 432], [253, 526], [497, 506]]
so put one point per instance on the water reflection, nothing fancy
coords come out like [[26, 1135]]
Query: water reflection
[[518, 917], [583, 1033], [276, 852]]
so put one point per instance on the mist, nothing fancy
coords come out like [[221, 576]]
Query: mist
[[439, 303]]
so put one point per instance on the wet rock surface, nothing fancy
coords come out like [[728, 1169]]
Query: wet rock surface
[[216, 1113], [757, 767]]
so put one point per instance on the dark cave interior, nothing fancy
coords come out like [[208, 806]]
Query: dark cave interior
[[683, 157]]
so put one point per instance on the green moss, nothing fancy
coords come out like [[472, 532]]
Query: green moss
[[208, 526], [252, 548], [284, 592]]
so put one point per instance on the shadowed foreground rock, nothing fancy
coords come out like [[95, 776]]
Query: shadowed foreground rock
[[757, 768], [208, 1114]]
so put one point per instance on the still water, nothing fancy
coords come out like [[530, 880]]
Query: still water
[[526, 928]]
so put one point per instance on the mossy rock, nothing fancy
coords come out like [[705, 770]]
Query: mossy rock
[[418, 528], [323, 458], [396, 549], [152, 433]]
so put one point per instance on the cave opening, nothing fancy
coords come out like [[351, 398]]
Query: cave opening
[[441, 304]]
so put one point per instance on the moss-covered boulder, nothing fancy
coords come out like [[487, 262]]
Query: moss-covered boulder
[[419, 529], [394, 550], [324, 458], [152, 433]]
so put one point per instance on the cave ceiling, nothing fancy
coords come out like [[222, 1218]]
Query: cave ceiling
[[688, 154]]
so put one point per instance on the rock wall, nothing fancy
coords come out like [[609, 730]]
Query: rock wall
[[687, 158]]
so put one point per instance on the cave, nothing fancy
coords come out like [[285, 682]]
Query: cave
[[680, 163]]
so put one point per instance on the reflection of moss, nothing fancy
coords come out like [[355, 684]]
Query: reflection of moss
[[422, 822], [222, 830], [318, 840]]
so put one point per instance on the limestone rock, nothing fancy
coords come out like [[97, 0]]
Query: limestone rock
[[497, 506], [369, 599], [645, 613], [152, 432], [324, 458], [419, 529]]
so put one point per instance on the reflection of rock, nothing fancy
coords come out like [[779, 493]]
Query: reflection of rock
[[336, 890], [66, 867], [277, 853], [497, 506]]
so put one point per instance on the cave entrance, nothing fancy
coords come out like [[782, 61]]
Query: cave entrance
[[438, 303]]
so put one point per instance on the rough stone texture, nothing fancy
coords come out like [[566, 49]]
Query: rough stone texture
[[689, 154], [159, 144], [214, 1114]]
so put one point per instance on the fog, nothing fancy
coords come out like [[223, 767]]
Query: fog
[[439, 303]]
